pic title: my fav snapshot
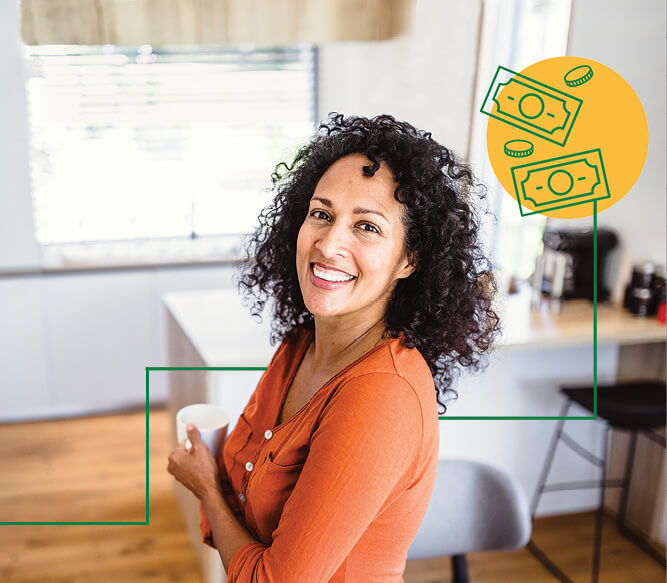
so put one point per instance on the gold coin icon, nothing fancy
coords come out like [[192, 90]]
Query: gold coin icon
[[518, 148], [578, 76]]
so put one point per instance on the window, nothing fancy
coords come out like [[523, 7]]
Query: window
[[516, 34], [145, 144]]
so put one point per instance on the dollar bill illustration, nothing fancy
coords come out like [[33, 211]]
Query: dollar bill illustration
[[531, 106], [560, 182]]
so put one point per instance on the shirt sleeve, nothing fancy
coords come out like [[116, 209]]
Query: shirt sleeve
[[365, 449]]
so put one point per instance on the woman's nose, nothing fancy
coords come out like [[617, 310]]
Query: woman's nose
[[334, 241]]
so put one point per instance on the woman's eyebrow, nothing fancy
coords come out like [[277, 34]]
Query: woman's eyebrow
[[324, 201], [363, 211], [357, 210]]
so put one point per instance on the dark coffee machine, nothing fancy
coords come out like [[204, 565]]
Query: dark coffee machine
[[565, 268]]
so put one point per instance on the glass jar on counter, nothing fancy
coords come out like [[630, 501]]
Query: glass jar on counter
[[640, 299], [657, 290], [638, 293]]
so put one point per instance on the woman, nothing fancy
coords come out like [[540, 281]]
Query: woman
[[381, 292]]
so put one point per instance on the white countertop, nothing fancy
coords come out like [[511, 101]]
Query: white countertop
[[221, 328], [526, 328]]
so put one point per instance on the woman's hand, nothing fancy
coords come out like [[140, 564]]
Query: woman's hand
[[195, 468]]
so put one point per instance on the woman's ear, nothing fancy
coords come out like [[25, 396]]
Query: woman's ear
[[410, 265], [414, 259]]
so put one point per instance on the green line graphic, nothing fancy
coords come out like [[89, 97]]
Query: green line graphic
[[595, 353], [103, 523]]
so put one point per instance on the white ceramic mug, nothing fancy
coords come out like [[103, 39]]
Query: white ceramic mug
[[211, 421]]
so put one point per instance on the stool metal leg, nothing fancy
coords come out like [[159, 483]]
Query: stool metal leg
[[531, 546], [554, 569], [460, 569], [632, 448], [655, 437], [600, 512], [551, 452]]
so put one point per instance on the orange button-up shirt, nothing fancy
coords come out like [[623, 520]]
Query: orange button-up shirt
[[337, 492]]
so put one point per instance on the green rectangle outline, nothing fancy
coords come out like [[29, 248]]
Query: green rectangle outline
[[107, 523], [595, 344], [440, 417]]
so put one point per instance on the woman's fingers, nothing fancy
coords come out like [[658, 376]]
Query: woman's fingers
[[193, 434], [185, 444]]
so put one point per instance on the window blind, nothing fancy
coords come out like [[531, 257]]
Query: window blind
[[142, 143]]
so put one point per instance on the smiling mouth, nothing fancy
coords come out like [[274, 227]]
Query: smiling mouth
[[330, 276]]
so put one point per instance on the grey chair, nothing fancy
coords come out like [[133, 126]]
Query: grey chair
[[474, 507]]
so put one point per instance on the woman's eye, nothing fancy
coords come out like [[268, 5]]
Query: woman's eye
[[316, 214], [366, 227], [372, 229]]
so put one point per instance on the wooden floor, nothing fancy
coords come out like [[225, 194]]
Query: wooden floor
[[93, 470]]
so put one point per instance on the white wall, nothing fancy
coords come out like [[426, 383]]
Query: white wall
[[17, 244], [425, 78], [629, 37]]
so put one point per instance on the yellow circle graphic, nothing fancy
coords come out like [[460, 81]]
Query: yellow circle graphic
[[565, 132]]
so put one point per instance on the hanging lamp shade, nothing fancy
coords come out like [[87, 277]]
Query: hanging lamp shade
[[161, 22]]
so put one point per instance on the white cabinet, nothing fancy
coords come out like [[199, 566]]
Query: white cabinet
[[24, 383], [98, 327], [73, 343]]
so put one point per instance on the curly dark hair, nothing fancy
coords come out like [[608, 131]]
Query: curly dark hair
[[444, 308]]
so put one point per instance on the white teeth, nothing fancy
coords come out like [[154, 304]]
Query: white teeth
[[330, 275]]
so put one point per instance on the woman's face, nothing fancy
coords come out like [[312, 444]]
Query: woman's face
[[350, 249]]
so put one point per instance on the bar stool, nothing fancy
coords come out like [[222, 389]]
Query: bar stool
[[638, 407], [474, 507]]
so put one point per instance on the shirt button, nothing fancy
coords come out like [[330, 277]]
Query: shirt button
[[249, 466], [268, 434], [241, 497]]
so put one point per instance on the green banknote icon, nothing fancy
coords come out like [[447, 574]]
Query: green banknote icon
[[531, 106], [560, 182]]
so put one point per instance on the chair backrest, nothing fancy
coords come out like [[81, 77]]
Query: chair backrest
[[474, 507]]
